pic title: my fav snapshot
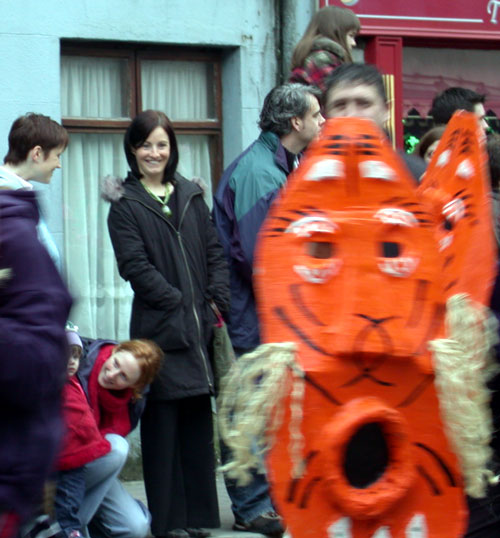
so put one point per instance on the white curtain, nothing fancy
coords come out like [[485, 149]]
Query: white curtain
[[180, 89], [90, 87], [194, 161], [183, 91], [93, 87], [102, 298]]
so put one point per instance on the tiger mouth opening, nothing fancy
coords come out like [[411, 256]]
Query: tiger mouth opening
[[366, 456]]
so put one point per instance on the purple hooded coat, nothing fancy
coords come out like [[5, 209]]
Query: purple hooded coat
[[34, 306]]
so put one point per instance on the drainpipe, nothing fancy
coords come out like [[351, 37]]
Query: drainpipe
[[279, 16], [292, 18]]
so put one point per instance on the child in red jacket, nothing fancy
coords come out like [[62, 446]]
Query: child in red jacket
[[83, 443]]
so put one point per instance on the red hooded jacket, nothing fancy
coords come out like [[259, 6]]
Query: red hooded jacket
[[83, 442]]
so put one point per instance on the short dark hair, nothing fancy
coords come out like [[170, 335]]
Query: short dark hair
[[355, 74], [283, 103], [137, 133], [33, 130], [448, 101]]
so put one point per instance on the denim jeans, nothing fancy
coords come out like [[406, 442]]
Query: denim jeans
[[250, 501], [107, 508], [70, 493]]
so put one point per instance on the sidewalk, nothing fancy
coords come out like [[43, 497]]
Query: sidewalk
[[136, 489]]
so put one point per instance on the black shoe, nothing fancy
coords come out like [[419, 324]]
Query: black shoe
[[197, 533], [268, 524]]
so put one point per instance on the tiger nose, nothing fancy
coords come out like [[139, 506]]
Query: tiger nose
[[358, 334]]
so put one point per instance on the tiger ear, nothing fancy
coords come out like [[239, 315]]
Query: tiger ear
[[457, 185]]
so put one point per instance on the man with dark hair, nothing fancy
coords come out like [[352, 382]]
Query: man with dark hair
[[357, 90], [34, 306], [452, 99], [289, 120]]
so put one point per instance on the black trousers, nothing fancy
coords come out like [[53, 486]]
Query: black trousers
[[179, 464]]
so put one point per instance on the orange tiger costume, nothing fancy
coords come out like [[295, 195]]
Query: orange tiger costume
[[355, 267]]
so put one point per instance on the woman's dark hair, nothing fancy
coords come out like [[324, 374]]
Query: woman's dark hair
[[428, 139], [137, 133], [332, 22]]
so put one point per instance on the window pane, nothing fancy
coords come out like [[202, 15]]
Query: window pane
[[102, 297], [183, 90], [195, 160], [94, 87]]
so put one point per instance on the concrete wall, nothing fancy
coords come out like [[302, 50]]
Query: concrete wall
[[30, 36], [296, 17]]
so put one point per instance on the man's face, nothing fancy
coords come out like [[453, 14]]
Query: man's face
[[309, 126], [481, 114], [347, 100]]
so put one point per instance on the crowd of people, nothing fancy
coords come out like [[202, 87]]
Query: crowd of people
[[180, 261]]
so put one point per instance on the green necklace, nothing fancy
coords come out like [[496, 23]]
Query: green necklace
[[169, 189]]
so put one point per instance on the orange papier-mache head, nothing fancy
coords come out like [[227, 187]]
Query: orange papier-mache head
[[355, 264]]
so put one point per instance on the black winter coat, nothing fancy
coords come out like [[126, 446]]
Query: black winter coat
[[174, 273]]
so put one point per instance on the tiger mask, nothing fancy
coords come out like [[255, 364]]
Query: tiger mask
[[354, 265]]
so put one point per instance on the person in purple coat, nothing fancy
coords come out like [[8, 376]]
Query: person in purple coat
[[34, 306]]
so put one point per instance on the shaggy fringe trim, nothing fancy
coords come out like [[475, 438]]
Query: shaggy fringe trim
[[112, 188], [252, 394], [250, 407], [463, 363]]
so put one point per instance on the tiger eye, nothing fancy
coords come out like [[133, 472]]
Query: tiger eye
[[320, 249], [390, 249], [448, 225]]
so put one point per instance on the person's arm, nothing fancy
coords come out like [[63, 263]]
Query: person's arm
[[32, 368], [133, 263], [318, 66], [247, 230], [34, 306], [82, 442], [217, 268]]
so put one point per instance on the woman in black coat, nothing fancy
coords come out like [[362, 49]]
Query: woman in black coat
[[167, 248]]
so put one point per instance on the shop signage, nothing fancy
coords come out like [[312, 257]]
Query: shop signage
[[478, 19]]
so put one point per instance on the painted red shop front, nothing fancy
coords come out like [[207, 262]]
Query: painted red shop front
[[426, 46]]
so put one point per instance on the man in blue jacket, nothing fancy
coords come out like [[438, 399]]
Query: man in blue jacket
[[289, 120]]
